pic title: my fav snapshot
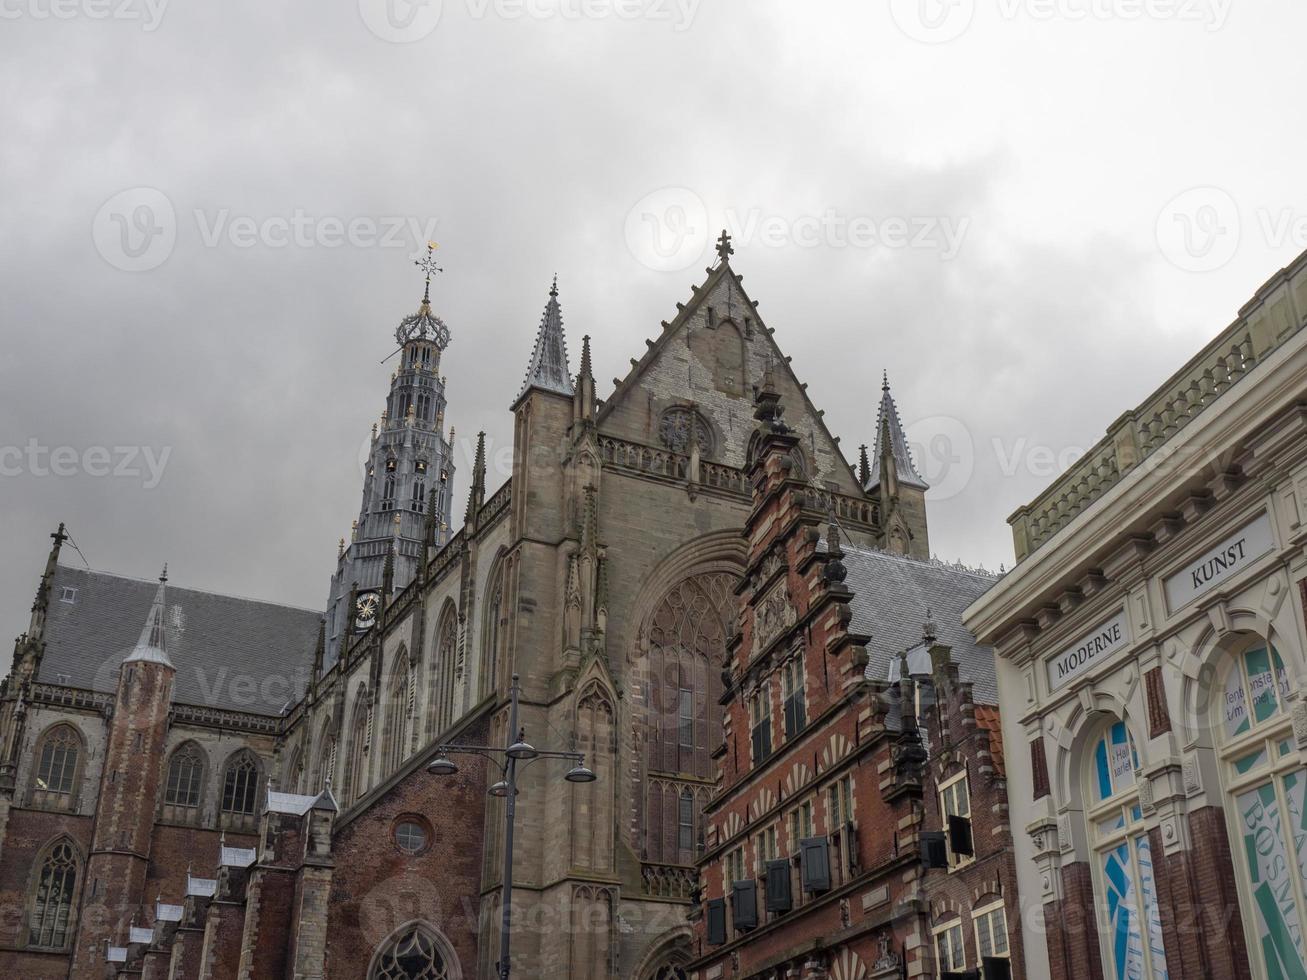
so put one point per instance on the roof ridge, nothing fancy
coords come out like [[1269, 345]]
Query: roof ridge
[[178, 588], [979, 571]]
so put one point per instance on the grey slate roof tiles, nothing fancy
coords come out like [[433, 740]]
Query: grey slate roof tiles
[[891, 595], [233, 654]]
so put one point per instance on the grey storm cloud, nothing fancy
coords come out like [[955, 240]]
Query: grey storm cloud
[[210, 213]]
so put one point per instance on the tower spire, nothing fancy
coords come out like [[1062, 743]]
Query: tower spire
[[892, 445], [476, 495], [548, 369], [153, 644]]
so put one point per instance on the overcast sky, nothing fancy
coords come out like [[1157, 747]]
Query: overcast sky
[[1029, 212]]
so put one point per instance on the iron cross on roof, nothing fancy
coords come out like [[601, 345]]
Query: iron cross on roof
[[724, 249]]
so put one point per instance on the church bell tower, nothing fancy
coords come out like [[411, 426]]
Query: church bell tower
[[407, 482]]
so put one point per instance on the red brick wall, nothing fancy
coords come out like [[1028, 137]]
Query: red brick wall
[[376, 888]]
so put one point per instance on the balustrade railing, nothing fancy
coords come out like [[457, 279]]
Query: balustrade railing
[[1277, 312]]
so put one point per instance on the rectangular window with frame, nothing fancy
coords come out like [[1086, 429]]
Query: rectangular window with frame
[[734, 866], [792, 689], [685, 821], [991, 931], [839, 803], [949, 952], [955, 801], [685, 720], [765, 844], [761, 734]]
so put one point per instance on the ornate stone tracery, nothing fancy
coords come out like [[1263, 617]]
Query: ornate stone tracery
[[676, 425]]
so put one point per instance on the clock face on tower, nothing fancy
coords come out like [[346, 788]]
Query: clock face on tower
[[366, 605]]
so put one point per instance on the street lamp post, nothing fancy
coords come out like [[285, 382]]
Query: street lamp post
[[515, 752]]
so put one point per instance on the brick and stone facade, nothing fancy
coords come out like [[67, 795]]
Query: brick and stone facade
[[844, 736], [602, 571]]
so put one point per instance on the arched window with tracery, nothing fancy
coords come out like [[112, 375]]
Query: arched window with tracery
[[240, 791], [1266, 798], [292, 779], [324, 770], [593, 803], [492, 634], [415, 952], [1123, 859], [399, 712], [58, 768], [356, 769], [443, 666], [183, 792], [685, 639], [50, 921]]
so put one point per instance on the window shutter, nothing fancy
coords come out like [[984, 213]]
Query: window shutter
[[716, 921], [779, 898], [934, 850], [996, 968], [959, 836], [791, 721], [814, 855], [757, 744], [744, 903]]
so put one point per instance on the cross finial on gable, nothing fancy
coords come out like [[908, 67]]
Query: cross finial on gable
[[724, 249]]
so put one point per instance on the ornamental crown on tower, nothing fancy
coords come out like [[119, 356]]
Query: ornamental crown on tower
[[424, 325]]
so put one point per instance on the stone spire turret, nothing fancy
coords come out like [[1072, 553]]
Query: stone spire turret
[[153, 645], [892, 444], [548, 369], [408, 456], [476, 495], [583, 400]]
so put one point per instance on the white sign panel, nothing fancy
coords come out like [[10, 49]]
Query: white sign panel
[[1106, 639], [1226, 560]]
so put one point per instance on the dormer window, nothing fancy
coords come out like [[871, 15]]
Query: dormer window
[[67, 594]]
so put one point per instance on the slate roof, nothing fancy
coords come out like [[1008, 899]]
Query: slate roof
[[234, 654], [891, 594]]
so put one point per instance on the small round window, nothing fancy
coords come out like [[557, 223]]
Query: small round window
[[410, 836]]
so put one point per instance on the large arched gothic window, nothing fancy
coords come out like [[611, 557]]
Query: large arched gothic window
[[594, 803], [49, 925], [1266, 794], [356, 769], [183, 791], [325, 769], [491, 637], [399, 712], [58, 768], [416, 952], [1123, 860], [240, 790], [443, 665], [686, 642]]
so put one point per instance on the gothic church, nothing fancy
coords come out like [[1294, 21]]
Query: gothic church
[[195, 786]]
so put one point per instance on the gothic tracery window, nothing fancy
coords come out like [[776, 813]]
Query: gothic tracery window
[[185, 777], [52, 902], [240, 789], [356, 763], [443, 664], [676, 425], [686, 640], [57, 768], [398, 729], [415, 954]]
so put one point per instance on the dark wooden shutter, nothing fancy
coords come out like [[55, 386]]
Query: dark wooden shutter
[[959, 836], [814, 856], [934, 850], [744, 904], [716, 921], [791, 719], [996, 968], [779, 898]]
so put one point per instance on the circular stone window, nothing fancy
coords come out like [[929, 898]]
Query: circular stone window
[[410, 836]]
